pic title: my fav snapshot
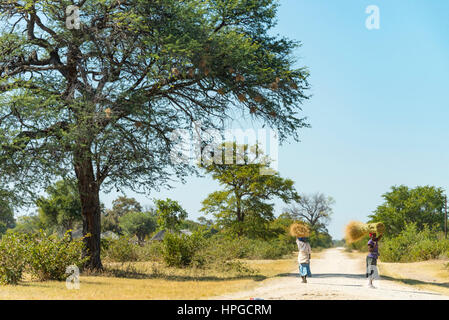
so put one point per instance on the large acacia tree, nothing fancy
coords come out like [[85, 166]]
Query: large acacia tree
[[99, 103]]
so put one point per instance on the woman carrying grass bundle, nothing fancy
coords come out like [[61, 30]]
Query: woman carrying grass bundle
[[355, 231], [304, 258], [301, 232], [371, 259]]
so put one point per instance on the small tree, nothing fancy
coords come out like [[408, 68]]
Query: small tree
[[246, 192], [314, 209], [28, 224], [139, 224], [62, 208], [170, 214], [120, 207]]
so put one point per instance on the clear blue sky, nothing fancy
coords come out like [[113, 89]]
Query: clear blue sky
[[379, 111]]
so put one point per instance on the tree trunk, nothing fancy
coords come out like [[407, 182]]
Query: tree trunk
[[240, 217], [90, 209]]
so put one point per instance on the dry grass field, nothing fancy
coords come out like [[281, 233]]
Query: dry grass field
[[147, 280]]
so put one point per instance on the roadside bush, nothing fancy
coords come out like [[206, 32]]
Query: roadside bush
[[428, 249], [413, 245], [150, 251], [361, 245], [320, 240], [44, 257], [180, 250], [49, 256], [223, 248], [105, 244], [273, 249], [13, 251], [121, 250]]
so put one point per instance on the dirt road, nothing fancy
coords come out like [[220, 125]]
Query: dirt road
[[336, 276]]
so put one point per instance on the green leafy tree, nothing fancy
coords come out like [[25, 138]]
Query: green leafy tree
[[120, 207], [203, 221], [28, 224], [170, 214], [102, 101], [7, 220], [403, 205], [192, 225], [62, 208], [139, 224], [242, 207]]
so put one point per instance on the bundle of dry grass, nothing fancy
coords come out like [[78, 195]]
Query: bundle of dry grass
[[377, 228], [299, 230], [356, 230]]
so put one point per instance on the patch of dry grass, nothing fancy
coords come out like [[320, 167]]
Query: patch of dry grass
[[147, 280], [430, 275]]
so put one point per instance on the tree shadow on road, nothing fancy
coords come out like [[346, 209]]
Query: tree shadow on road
[[414, 282], [134, 274], [324, 275]]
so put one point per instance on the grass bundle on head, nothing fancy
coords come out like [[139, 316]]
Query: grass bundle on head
[[299, 230], [377, 228], [356, 230]]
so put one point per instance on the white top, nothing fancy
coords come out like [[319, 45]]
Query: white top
[[304, 251]]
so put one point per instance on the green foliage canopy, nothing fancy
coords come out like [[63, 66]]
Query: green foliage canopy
[[139, 224], [62, 207], [403, 205], [170, 214], [120, 207]]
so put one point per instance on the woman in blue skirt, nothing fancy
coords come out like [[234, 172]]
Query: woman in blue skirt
[[304, 258]]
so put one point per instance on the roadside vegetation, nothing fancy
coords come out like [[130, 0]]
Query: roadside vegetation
[[414, 221], [230, 242]]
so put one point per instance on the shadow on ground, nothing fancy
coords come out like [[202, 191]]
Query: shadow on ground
[[132, 274], [324, 275], [414, 282]]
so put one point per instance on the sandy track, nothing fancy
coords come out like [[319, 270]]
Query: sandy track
[[335, 277]]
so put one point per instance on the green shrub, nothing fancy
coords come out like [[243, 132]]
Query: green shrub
[[121, 250], [150, 251], [413, 245], [105, 244], [223, 248], [320, 240], [273, 249], [428, 249], [49, 256], [13, 251], [180, 250], [361, 245]]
